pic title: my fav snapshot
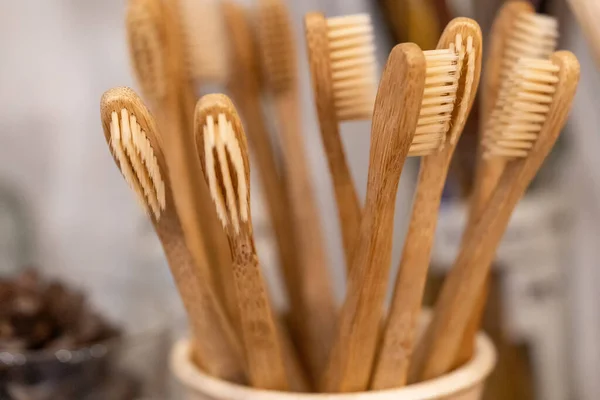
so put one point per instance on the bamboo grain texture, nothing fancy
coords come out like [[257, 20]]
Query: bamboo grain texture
[[463, 285], [394, 123]]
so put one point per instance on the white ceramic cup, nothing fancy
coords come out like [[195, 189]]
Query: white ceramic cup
[[464, 383]]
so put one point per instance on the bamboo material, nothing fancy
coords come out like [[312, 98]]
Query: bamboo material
[[394, 124], [341, 56], [437, 351], [131, 135], [314, 320], [392, 366], [244, 87], [156, 55], [222, 148], [191, 23], [510, 40]]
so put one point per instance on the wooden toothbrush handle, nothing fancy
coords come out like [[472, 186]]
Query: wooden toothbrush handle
[[261, 338], [467, 347], [278, 204], [346, 196], [296, 374], [348, 204], [487, 176], [204, 226], [462, 287], [217, 349], [394, 356], [317, 314]]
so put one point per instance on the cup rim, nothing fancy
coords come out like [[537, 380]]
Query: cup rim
[[459, 380]]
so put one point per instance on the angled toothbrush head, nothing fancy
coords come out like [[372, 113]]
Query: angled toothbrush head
[[223, 152], [131, 135]]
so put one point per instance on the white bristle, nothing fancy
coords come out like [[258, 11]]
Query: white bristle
[[468, 70], [439, 95], [514, 127], [205, 41], [228, 189], [353, 66], [137, 161], [532, 36]]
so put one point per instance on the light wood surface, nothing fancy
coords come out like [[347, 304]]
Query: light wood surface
[[399, 335], [325, 94], [394, 123], [244, 87], [223, 151], [499, 62], [488, 172], [157, 57], [314, 320], [216, 347], [462, 287], [190, 69]]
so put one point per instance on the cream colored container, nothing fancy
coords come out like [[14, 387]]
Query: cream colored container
[[465, 383]]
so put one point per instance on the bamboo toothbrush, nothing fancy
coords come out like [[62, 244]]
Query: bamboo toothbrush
[[446, 104], [245, 86], [395, 118], [314, 322], [199, 25], [341, 56], [233, 63], [517, 32], [536, 110], [295, 373], [222, 148], [132, 137], [156, 54]]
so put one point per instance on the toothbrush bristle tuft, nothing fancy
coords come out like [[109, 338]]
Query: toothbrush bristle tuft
[[353, 66], [517, 120], [137, 161], [225, 170], [439, 96], [532, 36]]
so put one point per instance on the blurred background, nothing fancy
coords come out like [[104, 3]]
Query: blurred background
[[65, 210]]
